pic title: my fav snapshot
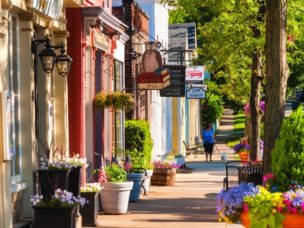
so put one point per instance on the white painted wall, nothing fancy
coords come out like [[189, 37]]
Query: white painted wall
[[161, 108]]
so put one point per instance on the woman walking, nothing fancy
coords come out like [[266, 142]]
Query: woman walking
[[208, 141]]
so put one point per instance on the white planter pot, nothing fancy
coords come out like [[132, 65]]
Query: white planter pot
[[146, 183], [115, 197]]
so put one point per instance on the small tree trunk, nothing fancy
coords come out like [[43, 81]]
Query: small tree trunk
[[277, 74], [255, 113]]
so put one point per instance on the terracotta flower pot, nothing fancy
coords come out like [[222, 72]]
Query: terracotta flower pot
[[244, 156], [290, 221], [293, 220], [245, 219]]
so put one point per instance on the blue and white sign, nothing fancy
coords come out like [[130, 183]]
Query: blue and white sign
[[195, 93]]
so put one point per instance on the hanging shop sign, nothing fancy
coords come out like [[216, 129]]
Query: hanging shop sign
[[101, 41], [177, 82], [154, 76], [153, 81], [51, 8], [195, 92], [195, 73]]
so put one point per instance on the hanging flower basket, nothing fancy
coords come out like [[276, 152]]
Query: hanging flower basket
[[117, 100]]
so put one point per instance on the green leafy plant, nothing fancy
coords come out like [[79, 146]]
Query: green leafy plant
[[212, 109], [115, 173], [288, 153], [91, 187], [138, 142], [264, 209], [117, 99]]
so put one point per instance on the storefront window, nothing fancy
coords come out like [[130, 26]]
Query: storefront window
[[13, 138]]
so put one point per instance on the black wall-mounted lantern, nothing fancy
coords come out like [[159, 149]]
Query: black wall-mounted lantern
[[48, 57]]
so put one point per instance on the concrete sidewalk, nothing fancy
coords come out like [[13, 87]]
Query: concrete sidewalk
[[190, 202]]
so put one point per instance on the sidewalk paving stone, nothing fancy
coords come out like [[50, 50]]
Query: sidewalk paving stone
[[190, 202]]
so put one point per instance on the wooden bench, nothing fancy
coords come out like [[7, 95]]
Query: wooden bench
[[190, 149]]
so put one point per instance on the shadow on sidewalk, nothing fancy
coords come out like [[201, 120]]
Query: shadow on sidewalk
[[177, 209]]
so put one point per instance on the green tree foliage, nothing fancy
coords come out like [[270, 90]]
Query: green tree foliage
[[212, 109], [138, 142], [288, 153], [295, 44], [226, 41]]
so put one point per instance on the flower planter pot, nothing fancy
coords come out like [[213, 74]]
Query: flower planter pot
[[290, 221], [245, 220], [244, 156], [163, 176], [52, 179], [137, 179], [90, 209], [147, 181], [57, 217], [74, 180], [293, 220], [115, 197], [99, 202], [180, 161]]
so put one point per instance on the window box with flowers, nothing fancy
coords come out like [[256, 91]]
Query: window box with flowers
[[164, 172], [60, 211], [90, 210]]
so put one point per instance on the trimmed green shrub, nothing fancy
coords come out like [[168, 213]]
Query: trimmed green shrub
[[138, 142], [288, 153]]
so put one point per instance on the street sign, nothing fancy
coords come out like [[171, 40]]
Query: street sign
[[177, 82], [195, 73], [195, 93]]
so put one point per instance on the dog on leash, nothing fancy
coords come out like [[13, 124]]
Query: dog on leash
[[224, 156]]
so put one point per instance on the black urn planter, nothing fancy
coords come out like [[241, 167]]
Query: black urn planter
[[55, 217], [52, 179], [74, 180], [90, 210]]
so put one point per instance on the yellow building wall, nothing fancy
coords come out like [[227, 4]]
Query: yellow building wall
[[194, 120], [175, 128]]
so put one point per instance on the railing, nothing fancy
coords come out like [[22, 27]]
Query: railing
[[237, 172]]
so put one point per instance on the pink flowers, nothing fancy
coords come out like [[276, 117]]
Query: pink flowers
[[247, 108], [267, 177], [166, 165], [294, 200]]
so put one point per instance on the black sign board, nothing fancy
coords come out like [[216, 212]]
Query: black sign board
[[177, 82]]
